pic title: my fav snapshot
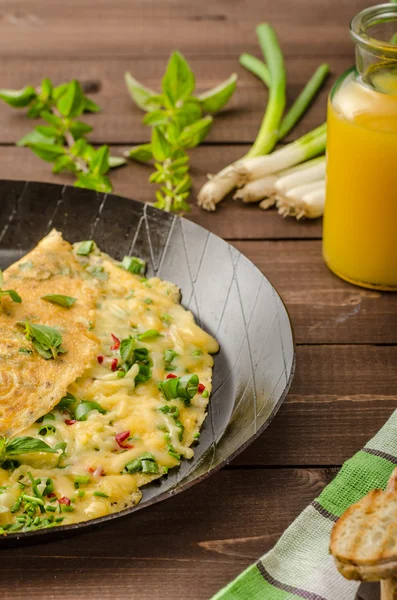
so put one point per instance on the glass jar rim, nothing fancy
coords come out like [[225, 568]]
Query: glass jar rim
[[364, 19]]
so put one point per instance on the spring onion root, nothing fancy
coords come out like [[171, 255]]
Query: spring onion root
[[257, 189], [303, 201]]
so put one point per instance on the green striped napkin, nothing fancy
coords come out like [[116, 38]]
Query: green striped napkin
[[299, 566]]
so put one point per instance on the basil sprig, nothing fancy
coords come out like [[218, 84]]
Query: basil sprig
[[65, 301], [15, 297], [45, 339], [184, 387], [22, 445], [62, 140], [177, 120]]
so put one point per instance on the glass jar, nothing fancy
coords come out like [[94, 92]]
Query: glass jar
[[360, 218]]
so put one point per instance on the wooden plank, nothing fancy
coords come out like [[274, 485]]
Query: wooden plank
[[340, 397], [135, 29], [121, 122], [232, 220], [323, 308], [165, 550]]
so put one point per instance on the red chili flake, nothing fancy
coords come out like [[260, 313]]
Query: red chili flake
[[100, 359], [64, 500], [52, 495], [116, 341], [171, 376], [201, 388], [121, 437], [114, 363], [91, 469], [70, 421]]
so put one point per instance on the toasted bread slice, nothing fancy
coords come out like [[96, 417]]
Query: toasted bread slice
[[364, 539]]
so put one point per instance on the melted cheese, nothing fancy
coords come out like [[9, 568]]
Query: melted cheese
[[127, 306]]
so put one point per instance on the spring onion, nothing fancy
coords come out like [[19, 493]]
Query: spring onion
[[185, 387], [303, 201]]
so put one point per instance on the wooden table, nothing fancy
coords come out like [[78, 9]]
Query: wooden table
[[346, 381]]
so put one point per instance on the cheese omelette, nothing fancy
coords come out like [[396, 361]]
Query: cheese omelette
[[127, 418]]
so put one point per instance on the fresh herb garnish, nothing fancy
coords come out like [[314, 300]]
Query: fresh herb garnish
[[178, 123], [98, 272], [81, 480], [84, 248], [62, 140], [65, 402], [150, 334], [15, 297], [173, 411], [145, 463], [172, 452], [21, 445], [100, 495], [66, 301], [84, 408], [184, 387], [131, 355], [25, 351], [46, 340], [133, 264]]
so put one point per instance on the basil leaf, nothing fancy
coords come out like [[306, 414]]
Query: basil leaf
[[178, 82], [143, 97], [48, 336], [156, 117], [46, 151], [26, 445], [142, 153], [44, 352], [84, 408], [48, 132], [46, 88], [160, 146], [100, 163], [90, 106], [65, 402], [63, 163], [34, 137], [99, 183], [18, 98], [71, 102], [85, 248], [116, 161], [216, 98], [15, 297], [194, 134], [66, 301], [133, 264]]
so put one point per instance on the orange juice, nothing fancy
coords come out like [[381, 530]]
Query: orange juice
[[360, 220]]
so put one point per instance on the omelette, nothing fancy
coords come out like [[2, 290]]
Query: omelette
[[125, 409]]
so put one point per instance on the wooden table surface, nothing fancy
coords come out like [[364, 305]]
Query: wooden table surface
[[346, 380]]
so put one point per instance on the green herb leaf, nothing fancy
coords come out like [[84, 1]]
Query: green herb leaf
[[46, 340], [65, 402], [34, 137], [116, 161], [213, 100], [127, 348], [18, 98], [150, 334], [15, 297], [145, 463], [100, 162], [66, 301], [193, 135], [78, 129], [26, 445], [160, 146], [71, 103], [180, 387], [46, 151], [90, 106], [133, 264], [142, 153], [143, 97], [178, 82], [85, 248], [99, 183], [84, 408]]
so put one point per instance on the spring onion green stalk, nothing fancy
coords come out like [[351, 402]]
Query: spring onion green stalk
[[256, 66], [180, 387], [268, 133], [304, 100], [302, 201]]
